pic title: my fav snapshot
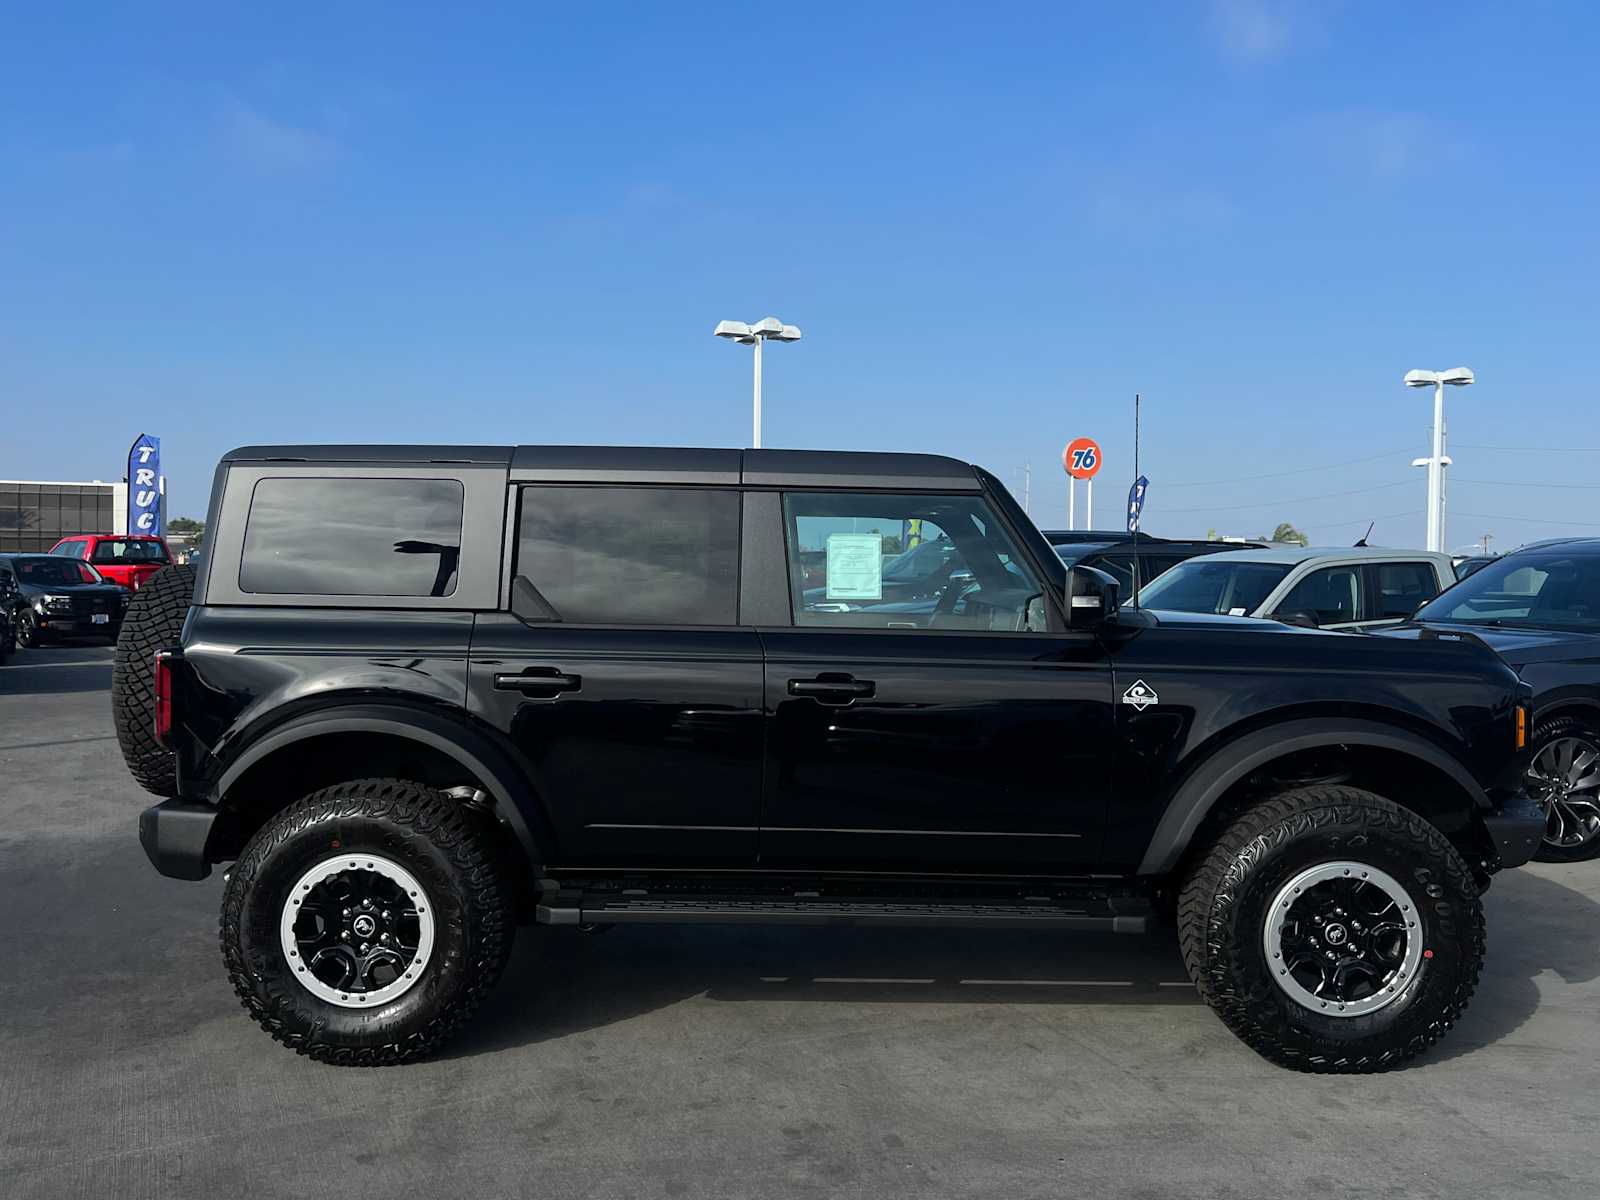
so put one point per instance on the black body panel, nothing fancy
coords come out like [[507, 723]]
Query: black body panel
[[644, 746], [971, 751]]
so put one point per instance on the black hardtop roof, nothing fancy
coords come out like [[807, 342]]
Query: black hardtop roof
[[652, 464]]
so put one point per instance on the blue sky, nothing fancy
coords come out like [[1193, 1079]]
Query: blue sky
[[380, 223]]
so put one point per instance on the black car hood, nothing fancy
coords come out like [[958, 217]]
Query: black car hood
[[1519, 647], [31, 590]]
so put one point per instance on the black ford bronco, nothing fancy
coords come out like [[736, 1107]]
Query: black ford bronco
[[420, 695]]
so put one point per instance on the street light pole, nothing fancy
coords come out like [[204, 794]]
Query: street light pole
[[756, 442], [1437, 461], [769, 328]]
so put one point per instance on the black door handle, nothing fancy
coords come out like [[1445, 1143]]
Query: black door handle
[[538, 681], [832, 689]]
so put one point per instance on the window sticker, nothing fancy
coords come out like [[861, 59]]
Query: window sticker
[[855, 566]]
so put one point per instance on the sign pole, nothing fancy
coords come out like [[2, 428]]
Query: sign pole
[[1089, 515], [1072, 502]]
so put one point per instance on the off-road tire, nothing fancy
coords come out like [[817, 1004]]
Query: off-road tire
[[1545, 732], [153, 621], [1221, 921], [446, 848]]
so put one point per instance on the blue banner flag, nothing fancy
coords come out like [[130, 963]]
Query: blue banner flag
[[144, 486], [1136, 502]]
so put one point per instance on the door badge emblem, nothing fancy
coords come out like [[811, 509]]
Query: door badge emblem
[[1141, 695]]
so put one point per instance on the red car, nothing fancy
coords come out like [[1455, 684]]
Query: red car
[[121, 558]]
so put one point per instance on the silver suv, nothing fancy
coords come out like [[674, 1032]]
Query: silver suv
[[1350, 588]]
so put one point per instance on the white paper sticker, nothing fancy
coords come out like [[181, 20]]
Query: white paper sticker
[[855, 566], [1236, 612]]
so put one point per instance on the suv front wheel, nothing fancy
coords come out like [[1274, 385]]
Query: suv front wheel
[[364, 924], [1333, 931]]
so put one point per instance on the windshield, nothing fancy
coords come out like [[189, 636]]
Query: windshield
[[1198, 586], [1074, 552], [1534, 591], [123, 550], [54, 572]]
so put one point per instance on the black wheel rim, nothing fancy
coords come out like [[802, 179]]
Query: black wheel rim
[[357, 930], [1342, 938], [1564, 778]]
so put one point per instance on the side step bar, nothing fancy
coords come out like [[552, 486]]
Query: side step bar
[[639, 906]]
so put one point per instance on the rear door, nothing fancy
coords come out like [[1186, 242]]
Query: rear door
[[950, 732], [622, 674]]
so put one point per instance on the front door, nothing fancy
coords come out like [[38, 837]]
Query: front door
[[922, 716], [622, 676]]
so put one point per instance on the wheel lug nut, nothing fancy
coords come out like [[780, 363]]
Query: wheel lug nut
[[384, 939], [345, 934], [364, 947], [344, 912]]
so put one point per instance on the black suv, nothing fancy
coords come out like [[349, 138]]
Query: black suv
[[1132, 563], [423, 694]]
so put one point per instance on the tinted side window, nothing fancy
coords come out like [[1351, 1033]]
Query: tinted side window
[[631, 556], [352, 537], [1332, 595], [1402, 587], [877, 561]]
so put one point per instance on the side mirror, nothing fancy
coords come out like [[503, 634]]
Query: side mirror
[[1092, 597], [1305, 620]]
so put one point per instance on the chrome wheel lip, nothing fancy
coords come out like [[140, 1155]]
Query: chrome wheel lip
[[1569, 792], [327, 869], [1282, 905]]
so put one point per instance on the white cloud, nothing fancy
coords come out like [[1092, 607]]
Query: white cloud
[[274, 147], [1261, 30], [1379, 144]]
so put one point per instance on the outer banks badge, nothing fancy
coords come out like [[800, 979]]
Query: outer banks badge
[[1141, 695]]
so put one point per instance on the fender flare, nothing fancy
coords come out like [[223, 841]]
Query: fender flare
[[1198, 794], [497, 768]]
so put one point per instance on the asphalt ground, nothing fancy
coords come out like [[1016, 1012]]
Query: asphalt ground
[[707, 1062]]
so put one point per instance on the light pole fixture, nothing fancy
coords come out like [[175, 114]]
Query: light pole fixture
[[766, 329], [1437, 461]]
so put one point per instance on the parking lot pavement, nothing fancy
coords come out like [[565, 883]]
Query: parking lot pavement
[[707, 1062]]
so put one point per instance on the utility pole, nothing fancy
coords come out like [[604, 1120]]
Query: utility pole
[[1027, 488]]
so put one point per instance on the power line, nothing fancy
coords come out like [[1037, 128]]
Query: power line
[[1583, 487], [1531, 449], [1284, 474], [1415, 512], [1291, 500], [1530, 520]]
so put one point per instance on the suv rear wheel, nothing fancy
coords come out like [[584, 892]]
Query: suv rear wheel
[[364, 924], [1333, 931]]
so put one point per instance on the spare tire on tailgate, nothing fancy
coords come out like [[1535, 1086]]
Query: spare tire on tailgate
[[154, 621]]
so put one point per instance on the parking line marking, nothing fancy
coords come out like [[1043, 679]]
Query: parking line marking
[[863, 979], [67, 742], [1050, 982]]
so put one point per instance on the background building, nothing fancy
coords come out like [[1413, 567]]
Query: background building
[[35, 514]]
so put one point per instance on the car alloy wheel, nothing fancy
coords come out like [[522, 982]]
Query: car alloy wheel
[[1564, 778], [358, 930], [27, 634], [1342, 939]]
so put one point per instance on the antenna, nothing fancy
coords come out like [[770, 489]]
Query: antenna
[[1138, 563], [1366, 535]]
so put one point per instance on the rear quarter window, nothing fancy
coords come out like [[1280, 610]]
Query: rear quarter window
[[352, 537]]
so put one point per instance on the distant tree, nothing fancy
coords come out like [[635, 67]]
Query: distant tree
[[194, 530], [1287, 534]]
